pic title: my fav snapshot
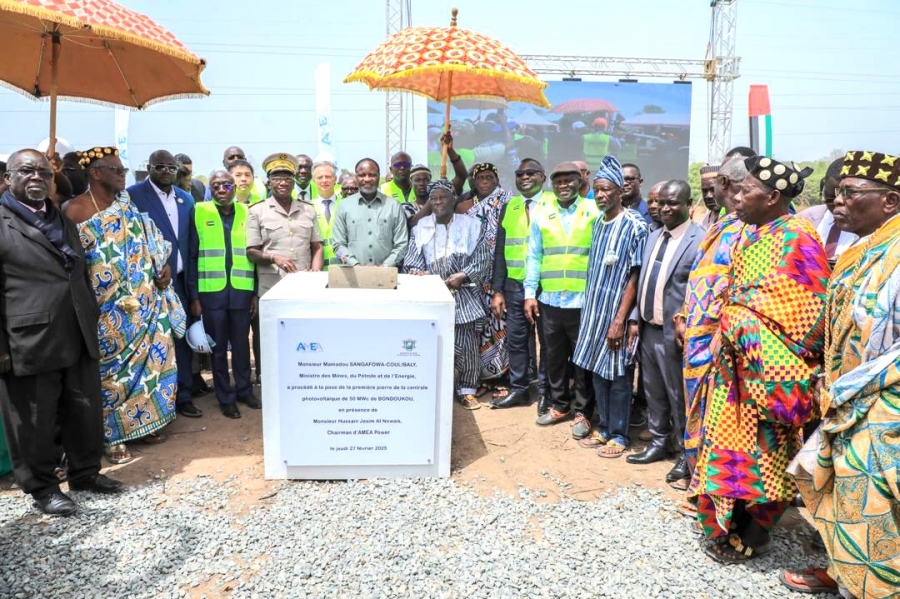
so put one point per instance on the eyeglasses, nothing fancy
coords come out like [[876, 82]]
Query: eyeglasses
[[164, 168], [632, 178], [30, 172], [118, 170], [235, 157], [280, 179], [349, 190], [403, 164], [850, 193], [528, 172], [225, 186]]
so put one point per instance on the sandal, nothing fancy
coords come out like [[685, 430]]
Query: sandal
[[469, 402], [152, 439], [500, 392], [733, 550], [594, 440], [118, 454], [813, 580], [612, 449], [688, 509]]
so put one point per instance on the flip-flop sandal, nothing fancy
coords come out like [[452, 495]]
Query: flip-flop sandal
[[120, 450], [732, 550], [593, 441], [612, 449], [152, 439], [681, 484], [813, 580], [500, 392], [688, 510]]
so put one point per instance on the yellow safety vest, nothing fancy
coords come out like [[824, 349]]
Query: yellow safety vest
[[211, 263], [325, 230], [312, 192], [565, 263], [391, 190], [596, 146], [516, 225]]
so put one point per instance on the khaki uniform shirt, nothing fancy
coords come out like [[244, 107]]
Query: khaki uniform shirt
[[282, 233]]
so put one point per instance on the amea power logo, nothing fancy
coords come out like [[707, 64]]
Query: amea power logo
[[310, 346]]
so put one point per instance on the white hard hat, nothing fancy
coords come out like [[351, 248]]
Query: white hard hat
[[198, 340], [63, 147]]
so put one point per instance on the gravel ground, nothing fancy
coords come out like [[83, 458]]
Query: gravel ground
[[404, 538]]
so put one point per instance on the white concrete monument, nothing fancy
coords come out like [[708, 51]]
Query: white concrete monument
[[357, 383]]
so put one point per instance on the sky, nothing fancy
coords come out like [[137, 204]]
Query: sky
[[829, 67]]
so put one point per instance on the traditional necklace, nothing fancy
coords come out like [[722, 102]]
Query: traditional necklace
[[127, 303]]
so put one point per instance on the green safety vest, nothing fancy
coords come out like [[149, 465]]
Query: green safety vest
[[211, 262], [391, 190], [565, 263], [516, 226], [312, 192], [596, 146], [325, 230]]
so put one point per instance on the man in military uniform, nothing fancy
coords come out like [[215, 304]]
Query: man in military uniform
[[282, 236]]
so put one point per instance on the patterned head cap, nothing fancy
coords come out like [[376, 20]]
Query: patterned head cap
[[482, 167], [611, 170], [874, 166], [441, 184], [89, 156], [710, 171], [786, 177]]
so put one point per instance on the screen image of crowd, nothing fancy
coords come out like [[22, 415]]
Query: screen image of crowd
[[591, 281]]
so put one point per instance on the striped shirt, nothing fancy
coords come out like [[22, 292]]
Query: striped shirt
[[617, 247]]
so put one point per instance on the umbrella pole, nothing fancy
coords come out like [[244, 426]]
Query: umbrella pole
[[446, 126], [54, 88]]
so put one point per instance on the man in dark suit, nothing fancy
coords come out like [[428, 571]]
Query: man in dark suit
[[668, 257], [48, 342], [170, 208]]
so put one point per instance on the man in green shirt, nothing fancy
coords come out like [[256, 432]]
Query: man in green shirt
[[368, 229]]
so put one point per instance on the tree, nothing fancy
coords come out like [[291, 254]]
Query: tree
[[653, 109]]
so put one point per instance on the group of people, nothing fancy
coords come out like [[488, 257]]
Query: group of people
[[752, 330]]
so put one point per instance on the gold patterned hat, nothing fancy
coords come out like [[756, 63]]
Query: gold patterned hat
[[281, 162], [786, 177], [874, 166], [96, 153]]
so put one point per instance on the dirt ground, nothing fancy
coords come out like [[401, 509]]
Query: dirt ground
[[492, 450]]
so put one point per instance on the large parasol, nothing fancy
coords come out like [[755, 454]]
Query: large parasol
[[448, 63], [584, 105], [93, 50]]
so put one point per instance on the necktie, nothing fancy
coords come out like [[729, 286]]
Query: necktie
[[832, 242], [528, 210], [327, 205], [654, 277], [302, 195], [41, 214]]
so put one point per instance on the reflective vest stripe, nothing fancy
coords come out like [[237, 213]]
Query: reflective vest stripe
[[562, 274], [211, 256], [569, 249]]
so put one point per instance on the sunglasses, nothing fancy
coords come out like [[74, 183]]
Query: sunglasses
[[528, 172], [118, 170], [349, 190], [404, 164], [235, 157], [164, 168], [225, 186], [632, 178]]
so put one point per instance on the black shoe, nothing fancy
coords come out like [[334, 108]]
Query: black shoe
[[679, 471], [97, 483], [517, 397], [543, 405], [189, 410], [638, 417], [251, 402], [230, 410], [56, 504], [654, 453]]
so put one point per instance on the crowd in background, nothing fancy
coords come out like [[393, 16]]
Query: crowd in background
[[761, 347]]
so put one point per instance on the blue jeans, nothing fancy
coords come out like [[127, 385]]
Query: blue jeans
[[613, 407]]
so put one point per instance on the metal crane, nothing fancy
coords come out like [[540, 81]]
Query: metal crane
[[719, 68]]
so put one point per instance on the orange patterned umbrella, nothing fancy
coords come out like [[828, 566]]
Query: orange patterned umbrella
[[447, 63], [93, 50]]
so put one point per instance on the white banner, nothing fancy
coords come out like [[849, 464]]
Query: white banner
[[323, 113], [122, 117], [357, 392]]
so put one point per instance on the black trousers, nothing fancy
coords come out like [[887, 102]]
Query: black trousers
[[30, 407], [520, 343], [257, 345], [561, 334]]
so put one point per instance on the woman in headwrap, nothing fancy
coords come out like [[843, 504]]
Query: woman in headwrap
[[485, 204], [452, 247]]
